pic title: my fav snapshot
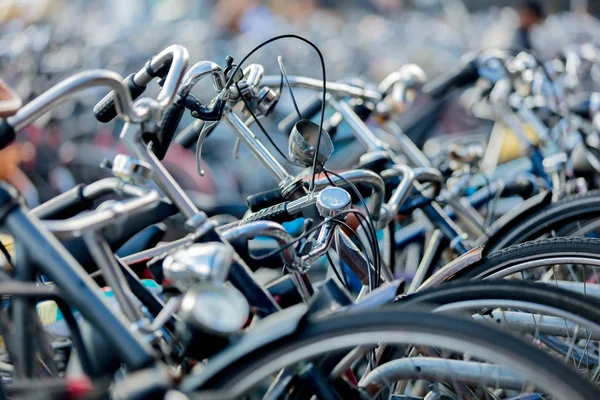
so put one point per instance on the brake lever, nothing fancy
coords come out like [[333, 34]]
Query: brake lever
[[206, 129], [236, 148]]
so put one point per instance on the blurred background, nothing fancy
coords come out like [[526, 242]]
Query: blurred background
[[42, 42]]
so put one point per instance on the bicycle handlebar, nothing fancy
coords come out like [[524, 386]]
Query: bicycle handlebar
[[64, 90], [93, 220], [169, 63], [456, 79], [334, 88]]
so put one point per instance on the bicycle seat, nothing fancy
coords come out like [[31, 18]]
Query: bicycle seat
[[10, 102]]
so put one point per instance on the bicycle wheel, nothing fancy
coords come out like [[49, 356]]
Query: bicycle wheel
[[579, 256], [513, 358], [509, 290], [561, 322], [563, 218]]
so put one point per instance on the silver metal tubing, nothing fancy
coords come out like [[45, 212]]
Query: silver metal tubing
[[420, 174], [335, 88], [537, 324], [253, 74], [66, 89], [529, 117], [324, 239], [107, 186], [428, 174], [178, 57], [130, 136], [168, 312], [360, 176], [171, 246], [442, 370], [403, 189], [98, 219], [166, 183], [157, 251], [111, 273], [407, 146], [199, 71], [281, 174], [360, 129], [428, 259], [266, 229], [463, 306], [93, 191]]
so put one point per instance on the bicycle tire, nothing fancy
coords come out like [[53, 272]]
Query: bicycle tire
[[571, 209], [525, 291], [531, 251], [373, 325]]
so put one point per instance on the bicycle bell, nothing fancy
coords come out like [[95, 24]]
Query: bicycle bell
[[332, 200], [302, 143]]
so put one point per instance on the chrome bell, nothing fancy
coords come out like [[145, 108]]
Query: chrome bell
[[302, 142], [332, 200], [198, 263]]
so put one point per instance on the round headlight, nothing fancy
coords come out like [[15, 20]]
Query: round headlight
[[221, 310]]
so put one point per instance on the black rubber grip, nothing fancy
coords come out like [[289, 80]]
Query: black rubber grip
[[105, 110], [7, 134], [276, 213], [457, 79], [166, 129], [65, 205], [257, 202], [308, 111], [520, 187]]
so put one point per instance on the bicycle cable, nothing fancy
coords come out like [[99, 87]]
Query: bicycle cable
[[285, 76], [368, 220], [324, 78]]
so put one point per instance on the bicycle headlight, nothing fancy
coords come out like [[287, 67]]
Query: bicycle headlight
[[219, 310]]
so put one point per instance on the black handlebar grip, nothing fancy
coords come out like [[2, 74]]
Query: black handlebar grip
[[464, 76], [7, 134], [520, 187], [257, 202], [65, 205], [166, 129], [308, 111], [105, 110]]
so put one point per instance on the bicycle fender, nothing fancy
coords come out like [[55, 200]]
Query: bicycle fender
[[448, 271]]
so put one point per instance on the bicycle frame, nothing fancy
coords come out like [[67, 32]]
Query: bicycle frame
[[45, 254]]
